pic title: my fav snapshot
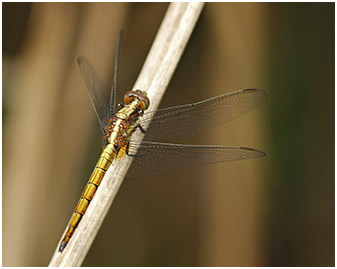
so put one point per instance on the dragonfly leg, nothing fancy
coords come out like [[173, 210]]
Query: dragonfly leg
[[127, 151], [142, 129], [126, 131]]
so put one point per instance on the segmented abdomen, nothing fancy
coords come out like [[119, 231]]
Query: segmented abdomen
[[102, 166]]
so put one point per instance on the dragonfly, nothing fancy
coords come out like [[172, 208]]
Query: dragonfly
[[155, 156]]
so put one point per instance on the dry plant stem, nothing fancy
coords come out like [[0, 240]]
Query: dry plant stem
[[157, 71]]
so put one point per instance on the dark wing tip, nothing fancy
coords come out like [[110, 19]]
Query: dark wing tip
[[259, 91], [250, 90], [257, 153]]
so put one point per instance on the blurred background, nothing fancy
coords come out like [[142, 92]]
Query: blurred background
[[273, 211]]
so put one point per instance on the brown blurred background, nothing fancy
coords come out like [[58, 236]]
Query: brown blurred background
[[274, 211]]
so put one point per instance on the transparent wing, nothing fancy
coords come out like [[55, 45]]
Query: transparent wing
[[154, 158], [181, 121], [99, 96]]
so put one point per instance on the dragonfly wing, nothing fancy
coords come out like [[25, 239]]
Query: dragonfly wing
[[99, 96], [154, 158], [181, 121]]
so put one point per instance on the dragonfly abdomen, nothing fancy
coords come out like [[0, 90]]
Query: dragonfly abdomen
[[102, 166]]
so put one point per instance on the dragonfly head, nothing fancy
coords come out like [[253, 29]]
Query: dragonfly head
[[144, 101]]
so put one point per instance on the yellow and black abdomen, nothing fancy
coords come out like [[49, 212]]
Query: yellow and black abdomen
[[102, 166]]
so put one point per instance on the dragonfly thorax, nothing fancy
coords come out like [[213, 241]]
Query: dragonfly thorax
[[126, 120]]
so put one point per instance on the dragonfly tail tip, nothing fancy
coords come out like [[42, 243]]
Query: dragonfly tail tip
[[62, 246]]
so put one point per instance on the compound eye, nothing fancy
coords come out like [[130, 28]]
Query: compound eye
[[147, 103], [144, 100], [128, 97]]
